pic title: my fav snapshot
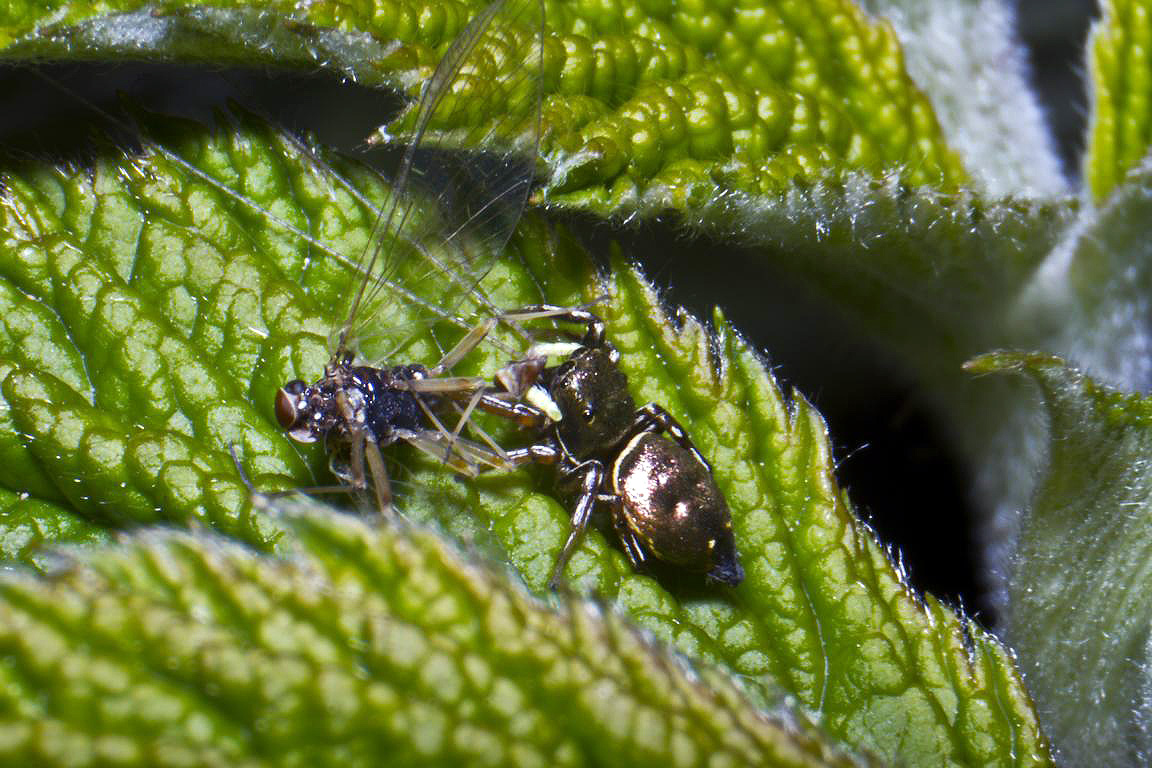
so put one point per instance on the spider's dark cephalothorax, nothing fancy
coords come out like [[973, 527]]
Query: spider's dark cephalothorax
[[641, 462]]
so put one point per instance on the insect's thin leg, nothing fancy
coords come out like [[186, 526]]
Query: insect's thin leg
[[592, 477], [466, 414], [632, 547], [314, 490], [489, 441], [448, 445], [446, 385], [380, 483], [653, 418], [463, 456], [470, 341], [307, 491], [355, 461], [432, 418]]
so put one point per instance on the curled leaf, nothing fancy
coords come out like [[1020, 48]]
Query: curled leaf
[[364, 643], [125, 412], [1080, 606]]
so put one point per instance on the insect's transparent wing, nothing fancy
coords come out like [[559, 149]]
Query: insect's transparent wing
[[450, 213]]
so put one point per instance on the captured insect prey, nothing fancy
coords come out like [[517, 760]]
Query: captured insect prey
[[640, 462], [454, 214]]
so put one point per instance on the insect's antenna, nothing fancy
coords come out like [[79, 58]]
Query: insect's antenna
[[397, 210], [481, 187], [240, 469], [122, 124]]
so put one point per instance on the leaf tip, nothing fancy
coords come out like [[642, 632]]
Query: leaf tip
[[1001, 361]]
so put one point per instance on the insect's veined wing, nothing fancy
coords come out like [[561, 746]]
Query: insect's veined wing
[[450, 213]]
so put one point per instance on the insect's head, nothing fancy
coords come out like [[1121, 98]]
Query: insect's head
[[293, 411]]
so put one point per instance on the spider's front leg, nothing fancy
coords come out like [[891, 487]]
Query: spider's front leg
[[590, 476], [594, 325], [653, 418]]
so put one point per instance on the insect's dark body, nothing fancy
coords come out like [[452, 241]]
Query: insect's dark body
[[639, 461], [387, 408], [376, 402], [357, 410], [458, 223]]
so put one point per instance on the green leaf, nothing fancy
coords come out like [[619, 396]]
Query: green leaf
[[1090, 296], [793, 127], [640, 117], [30, 527], [1120, 63], [646, 107], [138, 364], [966, 57], [1087, 302], [1080, 603], [365, 644]]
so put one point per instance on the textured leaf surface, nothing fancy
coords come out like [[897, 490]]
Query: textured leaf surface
[[792, 126], [134, 366], [802, 135], [967, 57], [1090, 300], [1120, 62], [176, 650], [647, 106], [1080, 603], [29, 528]]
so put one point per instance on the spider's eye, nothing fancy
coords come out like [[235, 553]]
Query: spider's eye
[[588, 414]]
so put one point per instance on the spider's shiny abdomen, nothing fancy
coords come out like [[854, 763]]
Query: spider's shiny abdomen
[[673, 506]]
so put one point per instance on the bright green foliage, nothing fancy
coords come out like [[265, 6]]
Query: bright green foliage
[[123, 290], [1121, 68], [1081, 607], [154, 307], [364, 645], [677, 98], [725, 115], [29, 526], [646, 106], [860, 647], [139, 404]]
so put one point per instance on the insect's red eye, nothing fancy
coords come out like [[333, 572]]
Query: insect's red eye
[[285, 409]]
